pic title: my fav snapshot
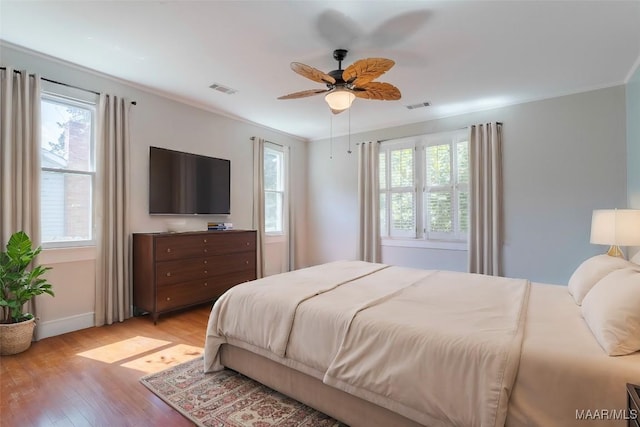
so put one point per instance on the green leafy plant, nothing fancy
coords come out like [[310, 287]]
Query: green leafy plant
[[17, 284]]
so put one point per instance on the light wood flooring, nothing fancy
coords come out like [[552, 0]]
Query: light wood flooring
[[90, 377]]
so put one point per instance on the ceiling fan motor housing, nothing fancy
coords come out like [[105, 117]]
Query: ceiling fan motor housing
[[337, 74], [338, 55]]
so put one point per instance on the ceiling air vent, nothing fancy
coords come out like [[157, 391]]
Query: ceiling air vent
[[223, 89], [420, 105]]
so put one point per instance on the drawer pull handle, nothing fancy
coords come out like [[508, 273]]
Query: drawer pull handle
[[206, 284], [246, 262], [205, 261], [205, 250], [169, 274], [205, 272], [247, 243], [205, 240], [168, 250], [168, 298]]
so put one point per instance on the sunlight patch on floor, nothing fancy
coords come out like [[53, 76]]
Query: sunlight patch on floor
[[124, 349], [164, 358]]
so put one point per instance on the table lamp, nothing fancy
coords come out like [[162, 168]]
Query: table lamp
[[615, 227]]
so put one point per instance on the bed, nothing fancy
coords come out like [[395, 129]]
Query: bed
[[378, 345]]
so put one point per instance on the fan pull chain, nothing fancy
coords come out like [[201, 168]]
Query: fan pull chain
[[330, 136], [349, 150]]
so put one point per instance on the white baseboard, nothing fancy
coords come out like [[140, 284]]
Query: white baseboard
[[55, 327]]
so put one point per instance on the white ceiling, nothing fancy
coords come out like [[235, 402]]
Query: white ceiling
[[459, 55]]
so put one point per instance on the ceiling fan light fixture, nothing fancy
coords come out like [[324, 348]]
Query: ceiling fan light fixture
[[339, 99]]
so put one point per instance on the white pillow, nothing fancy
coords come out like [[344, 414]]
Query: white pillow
[[612, 311], [636, 259], [591, 271]]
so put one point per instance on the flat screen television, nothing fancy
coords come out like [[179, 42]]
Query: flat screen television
[[188, 184]]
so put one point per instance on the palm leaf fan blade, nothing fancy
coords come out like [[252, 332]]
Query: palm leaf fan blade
[[303, 94], [366, 70], [312, 73], [377, 90]]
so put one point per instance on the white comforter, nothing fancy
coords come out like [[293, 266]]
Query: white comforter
[[441, 348]]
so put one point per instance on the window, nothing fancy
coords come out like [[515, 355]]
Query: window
[[446, 190], [397, 191], [67, 153], [424, 187], [274, 189]]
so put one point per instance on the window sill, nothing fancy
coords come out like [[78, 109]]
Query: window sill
[[275, 238], [424, 244], [61, 255]]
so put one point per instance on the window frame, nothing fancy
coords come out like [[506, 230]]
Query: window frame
[[454, 187], [388, 190], [421, 238], [59, 97], [280, 150]]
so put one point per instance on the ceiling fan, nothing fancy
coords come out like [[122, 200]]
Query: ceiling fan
[[343, 86]]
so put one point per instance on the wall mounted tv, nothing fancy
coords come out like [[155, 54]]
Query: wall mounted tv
[[188, 184]]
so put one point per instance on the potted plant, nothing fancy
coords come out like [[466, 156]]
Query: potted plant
[[17, 287]]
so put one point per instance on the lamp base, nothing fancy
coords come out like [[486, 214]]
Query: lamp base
[[614, 250]]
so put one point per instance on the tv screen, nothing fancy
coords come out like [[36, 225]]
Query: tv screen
[[184, 183]]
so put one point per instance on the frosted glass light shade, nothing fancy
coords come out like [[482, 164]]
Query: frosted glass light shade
[[339, 100], [617, 227]]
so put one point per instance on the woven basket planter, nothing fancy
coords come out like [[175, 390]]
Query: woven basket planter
[[16, 337]]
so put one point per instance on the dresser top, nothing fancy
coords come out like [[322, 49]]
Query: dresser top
[[187, 233]]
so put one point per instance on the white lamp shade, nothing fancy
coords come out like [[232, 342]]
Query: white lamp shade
[[339, 99], [620, 227]]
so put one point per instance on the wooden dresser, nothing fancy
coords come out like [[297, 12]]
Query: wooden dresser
[[176, 270]]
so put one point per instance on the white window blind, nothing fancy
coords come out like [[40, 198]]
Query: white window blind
[[446, 190], [437, 165], [398, 190]]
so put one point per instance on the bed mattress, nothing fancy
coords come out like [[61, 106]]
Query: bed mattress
[[558, 372]]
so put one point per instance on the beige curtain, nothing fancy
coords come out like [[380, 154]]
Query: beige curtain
[[368, 202], [19, 154], [291, 235], [113, 263], [258, 202], [20, 160], [485, 206]]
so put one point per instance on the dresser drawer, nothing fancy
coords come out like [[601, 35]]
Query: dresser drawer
[[179, 247], [170, 272], [240, 261], [185, 294], [198, 291], [228, 242], [203, 244]]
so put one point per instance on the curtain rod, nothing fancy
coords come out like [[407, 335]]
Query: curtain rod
[[64, 84], [253, 138], [422, 134]]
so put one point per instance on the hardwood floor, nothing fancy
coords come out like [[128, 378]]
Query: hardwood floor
[[90, 377]]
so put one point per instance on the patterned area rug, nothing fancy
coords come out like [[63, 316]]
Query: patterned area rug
[[229, 399]]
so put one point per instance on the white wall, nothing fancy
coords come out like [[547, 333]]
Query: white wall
[[162, 122], [563, 157]]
